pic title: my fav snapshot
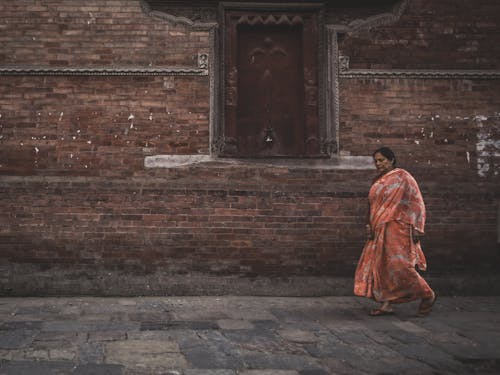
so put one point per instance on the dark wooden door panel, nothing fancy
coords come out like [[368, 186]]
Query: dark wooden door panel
[[270, 84], [270, 117]]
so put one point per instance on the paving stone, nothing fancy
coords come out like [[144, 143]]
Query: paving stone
[[199, 310], [176, 335], [298, 336], [329, 347], [148, 316], [35, 368], [95, 369], [220, 336], [195, 325], [62, 337], [211, 358], [265, 324], [16, 338], [381, 337], [411, 328], [314, 372], [83, 326], [430, 355], [338, 366], [91, 352], [145, 354], [269, 372], [401, 365], [237, 324], [211, 350], [107, 336], [349, 325], [482, 366], [139, 371], [62, 354], [54, 345], [485, 345], [253, 337], [357, 337], [263, 340], [262, 361], [35, 354], [20, 325], [285, 315], [210, 372], [406, 337]]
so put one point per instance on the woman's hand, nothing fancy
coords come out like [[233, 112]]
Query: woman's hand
[[416, 235], [369, 232]]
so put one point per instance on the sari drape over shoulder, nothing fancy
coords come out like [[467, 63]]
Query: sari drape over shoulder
[[386, 270]]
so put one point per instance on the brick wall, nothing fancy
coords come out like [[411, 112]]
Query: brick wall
[[99, 125], [83, 215], [450, 34], [430, 123], [93, 33]]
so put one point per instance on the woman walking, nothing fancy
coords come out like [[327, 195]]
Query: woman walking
[[386, 270]]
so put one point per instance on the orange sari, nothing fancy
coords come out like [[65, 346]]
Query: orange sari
[[386, 270]]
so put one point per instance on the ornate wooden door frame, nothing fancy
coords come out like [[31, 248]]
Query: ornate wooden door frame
[[311, 15]]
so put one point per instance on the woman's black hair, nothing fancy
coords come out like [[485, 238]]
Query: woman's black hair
[[388, 153]]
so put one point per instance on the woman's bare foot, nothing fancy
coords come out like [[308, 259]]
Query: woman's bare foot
[[426, 305], [385, 309]]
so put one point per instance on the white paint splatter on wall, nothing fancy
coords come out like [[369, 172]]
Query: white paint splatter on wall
[[488, 144]]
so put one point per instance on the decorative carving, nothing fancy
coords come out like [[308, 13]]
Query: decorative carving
[[310, 87], [270, 19], [364, 25], [195, 14], [328, 146], [225, 146], [34, 70], [232, 86], [343, 63], [312, 145], [203, 18], [329, 142], [420, 74], [268, 48], [203, 60]]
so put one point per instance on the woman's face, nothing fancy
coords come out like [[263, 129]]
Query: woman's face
[[382, 164]]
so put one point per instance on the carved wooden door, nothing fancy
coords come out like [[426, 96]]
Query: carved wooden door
[[271, 84]]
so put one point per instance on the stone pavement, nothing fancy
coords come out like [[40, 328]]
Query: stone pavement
[[245, 335]]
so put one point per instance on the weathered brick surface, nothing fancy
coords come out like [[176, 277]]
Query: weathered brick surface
[[76, 197], [181, 227], [451, 34], [94, 33], [99, 125], [431, 124], [250, 227]]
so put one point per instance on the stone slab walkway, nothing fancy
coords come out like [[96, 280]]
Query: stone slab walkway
[[246, 336]]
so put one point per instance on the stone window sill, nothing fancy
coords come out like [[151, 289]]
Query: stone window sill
[[337, 162]]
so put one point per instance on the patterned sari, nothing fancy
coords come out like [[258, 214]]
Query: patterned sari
[[386, 270]]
